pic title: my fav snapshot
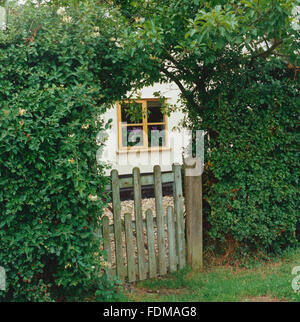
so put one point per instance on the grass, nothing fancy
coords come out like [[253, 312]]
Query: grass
[[263, 282]]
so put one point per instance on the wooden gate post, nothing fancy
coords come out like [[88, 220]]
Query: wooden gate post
[[193, 206]]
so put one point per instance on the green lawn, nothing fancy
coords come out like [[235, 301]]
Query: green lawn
[[264, 282]]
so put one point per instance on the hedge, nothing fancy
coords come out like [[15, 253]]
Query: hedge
[[252, 158], [58, 72]]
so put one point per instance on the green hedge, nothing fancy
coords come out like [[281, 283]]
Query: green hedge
[[55, 75], [252, 156]]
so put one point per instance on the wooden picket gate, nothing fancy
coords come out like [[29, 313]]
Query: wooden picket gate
[[153, 246]]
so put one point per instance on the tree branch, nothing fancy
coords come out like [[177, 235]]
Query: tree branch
[[184, 92], [267, 52]]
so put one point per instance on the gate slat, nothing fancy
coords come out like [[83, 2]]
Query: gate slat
[[178, 209], [137, 192], [171, 239], [129, 249], [160, 222], [151, 244], [117, 224], [106, 241]]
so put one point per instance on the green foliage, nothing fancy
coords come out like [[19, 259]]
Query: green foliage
[[133, 112], [230, 60], [252, 173], [263, 282], [56, 76]]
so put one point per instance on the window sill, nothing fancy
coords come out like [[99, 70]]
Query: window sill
[[159, 149]]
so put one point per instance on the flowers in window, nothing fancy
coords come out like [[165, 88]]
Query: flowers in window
[[156, 136], [134, 136]]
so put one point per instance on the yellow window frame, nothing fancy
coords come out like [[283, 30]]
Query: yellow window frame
[[144, 125]]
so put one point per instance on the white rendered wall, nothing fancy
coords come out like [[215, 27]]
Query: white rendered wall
[[124, 162]]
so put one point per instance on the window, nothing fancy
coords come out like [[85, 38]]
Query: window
[[142, 125]]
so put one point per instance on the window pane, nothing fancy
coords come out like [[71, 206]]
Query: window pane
[[154, 112], [132, 136], [131, 113], [156, 135]]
